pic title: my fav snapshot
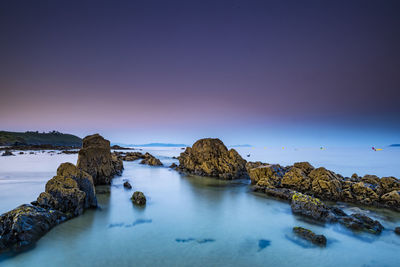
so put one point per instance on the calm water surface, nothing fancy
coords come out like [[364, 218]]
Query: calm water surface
[[196, 221]]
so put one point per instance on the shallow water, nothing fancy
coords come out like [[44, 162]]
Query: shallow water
[[194, 221]]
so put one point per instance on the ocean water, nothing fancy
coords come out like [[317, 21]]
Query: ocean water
[[197, 221]]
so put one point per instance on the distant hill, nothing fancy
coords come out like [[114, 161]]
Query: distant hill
[[245, 145], [36, 138]]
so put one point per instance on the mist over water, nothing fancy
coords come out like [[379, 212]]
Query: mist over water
[[197, 221]]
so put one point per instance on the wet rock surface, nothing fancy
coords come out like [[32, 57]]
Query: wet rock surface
[[149, 159], [21, 227], [309, 235], [127, 185], [138, 198], [7, 153], [302, 177], [210, 157], [95, 159]]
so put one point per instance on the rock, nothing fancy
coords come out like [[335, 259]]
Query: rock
[[95, 159], [103, 190], [129, 156], [268, 176], [392, 199], [309, 235], [296, 179], [21, 227], [127, 185], [326, 184], [138, 198], [210, 157], [388, 184], [70, 191], [360, 222], [311, 207], [173, 166], [21, 153], [397, 230], [364, 193], [254, 164], [282, 193], [304, 166], [7, 153], [151, 160]]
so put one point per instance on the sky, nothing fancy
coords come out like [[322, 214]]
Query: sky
[[249, 72]]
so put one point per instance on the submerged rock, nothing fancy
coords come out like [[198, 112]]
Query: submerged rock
[[360, 222], [309, 235], [70, 191], [138, 198], [21, 227], [397, 230], [127, 185], [210, 157], [95, 159], [149, 159]]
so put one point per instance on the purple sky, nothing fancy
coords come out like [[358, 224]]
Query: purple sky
[[174, 71]]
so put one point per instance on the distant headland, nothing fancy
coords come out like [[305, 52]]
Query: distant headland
[[36, 138]]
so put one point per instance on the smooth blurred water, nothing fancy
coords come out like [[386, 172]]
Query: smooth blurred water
[[197, 221]]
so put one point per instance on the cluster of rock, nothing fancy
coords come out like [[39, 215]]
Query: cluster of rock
[[147, 158], [95, 158], [7, 153], [327, 185], [210, 157], [66, 195], [316, 210]]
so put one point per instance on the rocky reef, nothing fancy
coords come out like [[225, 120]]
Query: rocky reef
[[327, 185], [95, 158], [149, 159], [210, 157], [66, 195]]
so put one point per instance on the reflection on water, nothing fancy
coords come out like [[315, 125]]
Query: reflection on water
[[187, 221]]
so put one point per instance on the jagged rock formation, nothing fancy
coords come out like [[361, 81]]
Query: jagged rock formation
[[210, 157], [70, 191], [327, 185], [95, 159]]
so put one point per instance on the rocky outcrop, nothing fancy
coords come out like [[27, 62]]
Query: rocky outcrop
[[173, 166], [138, 198], [95, 159], [128, 156], [210, 157], [70, 191], [309, 235], [325, 184], [361, 222], [7, 153], [149, 159], [24, 225]]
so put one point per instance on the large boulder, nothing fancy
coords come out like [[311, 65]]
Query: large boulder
[[70, 191], [24, 225], [297, 179], [95, 159], [392, 199], [138, 198], [210, 157]]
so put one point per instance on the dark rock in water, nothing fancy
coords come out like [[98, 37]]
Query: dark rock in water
[[127, 185], [311, 207], [95, 159], [181, 240], [360, 222], [173, 165], [210, 157], [282, 193], [309, 235], [21, 153], [263, 243], [205, 240], [7, 153], [24, 225], [129, 156], [138, 198], [70, 191], [149, 159], [397, 230], [120, 147]]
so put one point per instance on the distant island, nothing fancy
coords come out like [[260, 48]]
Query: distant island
[[395, 145], [36, 138], [245, 145], [152, 145]]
